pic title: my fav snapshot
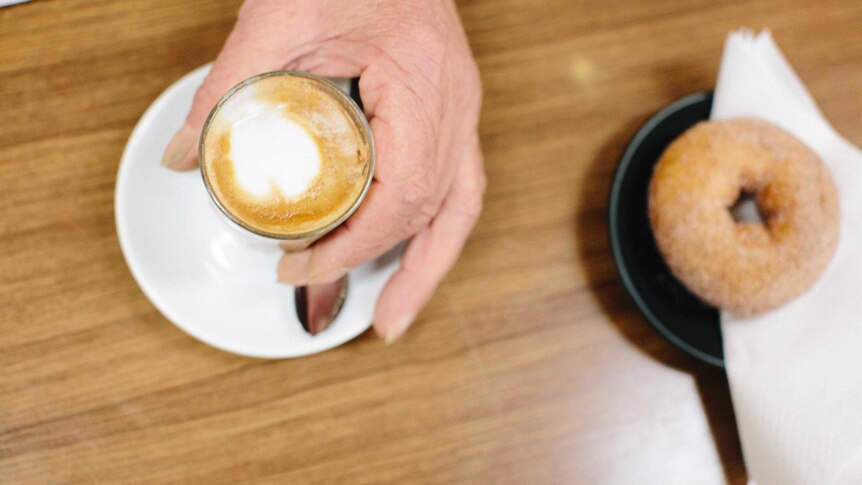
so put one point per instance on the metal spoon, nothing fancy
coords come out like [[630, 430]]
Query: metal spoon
[[318, 305]]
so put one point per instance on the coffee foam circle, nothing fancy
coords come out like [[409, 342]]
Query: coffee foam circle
[[283, 155], [270, 151]]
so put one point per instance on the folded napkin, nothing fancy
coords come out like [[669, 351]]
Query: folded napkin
[[796, 373]]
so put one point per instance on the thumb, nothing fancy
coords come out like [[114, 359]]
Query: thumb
[[242, 56]]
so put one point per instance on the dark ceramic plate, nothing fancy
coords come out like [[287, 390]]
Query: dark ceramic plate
[[681, 317]]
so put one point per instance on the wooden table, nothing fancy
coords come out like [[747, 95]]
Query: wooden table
[[530, 365]]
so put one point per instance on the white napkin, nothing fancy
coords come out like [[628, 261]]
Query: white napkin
[[796, 373]]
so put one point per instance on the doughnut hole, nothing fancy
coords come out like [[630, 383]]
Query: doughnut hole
[[746, 209]]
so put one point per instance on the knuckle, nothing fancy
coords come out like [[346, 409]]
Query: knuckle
[[204, 92], [419, 221], [472, 92], [473, 206], [481, 183], [206, 96], [204, 100], [474, 199], [416, 192], [470, 72]]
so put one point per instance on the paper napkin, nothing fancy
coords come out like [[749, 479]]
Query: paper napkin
[[796, 373]]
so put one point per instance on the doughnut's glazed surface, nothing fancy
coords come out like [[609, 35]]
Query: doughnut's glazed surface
[[742, 267]]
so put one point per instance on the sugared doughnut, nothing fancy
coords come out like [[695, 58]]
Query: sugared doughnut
[[743, 267]]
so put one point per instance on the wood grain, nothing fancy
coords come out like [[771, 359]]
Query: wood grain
[[530, 365]]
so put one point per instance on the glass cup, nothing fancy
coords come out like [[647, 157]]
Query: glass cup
[[317, 305]]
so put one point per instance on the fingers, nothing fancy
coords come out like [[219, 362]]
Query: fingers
[[385, 219], [401, 201], [243, 55], [433, 252]]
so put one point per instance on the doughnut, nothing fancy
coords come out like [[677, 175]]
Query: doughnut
[[745, 268]]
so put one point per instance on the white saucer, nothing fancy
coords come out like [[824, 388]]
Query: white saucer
[[197, 271]]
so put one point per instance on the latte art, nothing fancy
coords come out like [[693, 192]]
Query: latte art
[[286, 155], [273, 153]]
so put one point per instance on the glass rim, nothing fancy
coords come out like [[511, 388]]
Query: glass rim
[[345, 100]]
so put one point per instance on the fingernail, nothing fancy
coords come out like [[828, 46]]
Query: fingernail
[[327, 276], [179, 147], [293, 268], [396, 330]]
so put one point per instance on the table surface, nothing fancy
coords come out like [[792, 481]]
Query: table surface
[[530, 364]]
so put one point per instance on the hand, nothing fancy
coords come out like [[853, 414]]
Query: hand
[[422, 96]]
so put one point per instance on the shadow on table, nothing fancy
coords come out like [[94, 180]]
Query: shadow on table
[[604, 281]]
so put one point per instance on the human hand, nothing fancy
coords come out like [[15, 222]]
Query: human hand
[[421, 91]]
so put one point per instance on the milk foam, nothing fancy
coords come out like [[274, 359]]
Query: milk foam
[[267, 148]]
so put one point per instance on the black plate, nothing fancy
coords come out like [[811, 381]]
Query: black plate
[[680, 316]]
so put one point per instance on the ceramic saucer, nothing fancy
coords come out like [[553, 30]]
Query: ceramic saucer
[[197, 271]]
